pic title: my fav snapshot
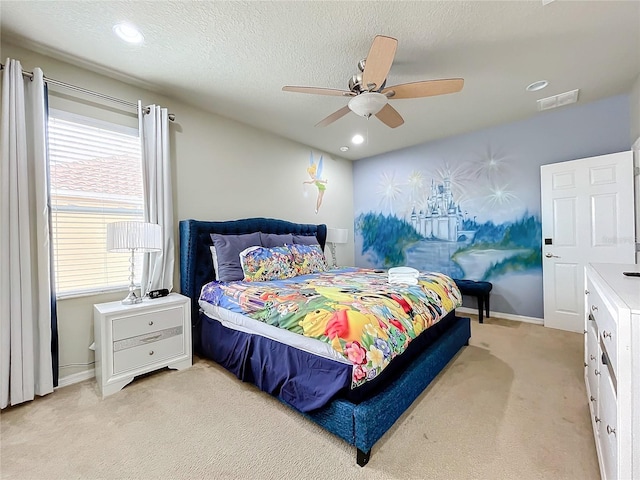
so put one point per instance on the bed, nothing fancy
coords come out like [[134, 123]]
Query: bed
[[361, 415]]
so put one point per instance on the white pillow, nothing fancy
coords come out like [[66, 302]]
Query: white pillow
[[214, 258]]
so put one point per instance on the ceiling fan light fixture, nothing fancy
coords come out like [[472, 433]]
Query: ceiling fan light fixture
[[357, 139], [367, 104]]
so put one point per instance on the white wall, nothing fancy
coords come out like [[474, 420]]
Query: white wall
[[635, 110], [635, 139], [222, 170]]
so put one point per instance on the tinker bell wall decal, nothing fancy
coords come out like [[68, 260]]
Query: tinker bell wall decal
[[315, 172]]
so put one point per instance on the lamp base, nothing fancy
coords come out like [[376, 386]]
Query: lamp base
[[131, 299], [332, 248]]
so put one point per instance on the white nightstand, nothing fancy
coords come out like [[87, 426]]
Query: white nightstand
[[135, 339]]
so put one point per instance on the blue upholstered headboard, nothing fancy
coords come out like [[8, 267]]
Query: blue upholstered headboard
[[196, 266]]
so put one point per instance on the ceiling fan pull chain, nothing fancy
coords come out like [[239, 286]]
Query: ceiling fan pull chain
[[367, 137]]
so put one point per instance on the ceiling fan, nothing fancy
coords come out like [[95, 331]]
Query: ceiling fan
[[369, 93]]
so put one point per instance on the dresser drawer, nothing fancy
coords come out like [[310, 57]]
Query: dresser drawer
[[606, 326], [608, 425], [591, 359], [143, 355], [141, 324]]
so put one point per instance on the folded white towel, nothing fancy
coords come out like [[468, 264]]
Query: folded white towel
[[405, 275]]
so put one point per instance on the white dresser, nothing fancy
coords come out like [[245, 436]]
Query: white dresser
[[612, 367], [134, 339]]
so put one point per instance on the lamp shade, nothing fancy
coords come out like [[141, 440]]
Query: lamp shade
[[337, 235], [138, 236]]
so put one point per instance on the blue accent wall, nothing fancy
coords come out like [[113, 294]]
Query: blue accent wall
[[469, 205]]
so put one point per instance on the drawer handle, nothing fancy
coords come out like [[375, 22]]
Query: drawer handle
[[606, 334], [592, 357], [592, 398], [151, 323], [592, 318], [596, 418], [594, 308], [151, 339], [587, 292], [611, 430], [151, 352], [597, 372], [586, 364]]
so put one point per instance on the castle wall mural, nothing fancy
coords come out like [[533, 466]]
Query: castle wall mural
[[469, 206]]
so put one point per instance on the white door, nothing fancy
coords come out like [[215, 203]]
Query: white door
[[587, 217]]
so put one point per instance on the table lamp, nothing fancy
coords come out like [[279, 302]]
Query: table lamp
[[133, 237], [336, 235]]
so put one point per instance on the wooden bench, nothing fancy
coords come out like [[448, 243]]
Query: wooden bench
[[480, 290]]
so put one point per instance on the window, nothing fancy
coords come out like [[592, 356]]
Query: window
[[96, 178]]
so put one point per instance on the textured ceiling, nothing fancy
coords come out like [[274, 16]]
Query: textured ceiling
[[233, 58]]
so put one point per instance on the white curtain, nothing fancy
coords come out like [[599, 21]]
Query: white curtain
[[25, 287], [157, 270]]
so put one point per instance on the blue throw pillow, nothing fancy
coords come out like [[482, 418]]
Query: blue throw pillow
[[271, 240], [305, 240], [228, 248]]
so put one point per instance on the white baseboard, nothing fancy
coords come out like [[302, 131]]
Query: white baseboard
[[76, 378], [505, 316]]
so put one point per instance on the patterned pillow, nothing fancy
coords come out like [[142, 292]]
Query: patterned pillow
[[260, 264], [308, 259]]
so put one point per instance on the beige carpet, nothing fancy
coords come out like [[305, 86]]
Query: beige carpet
[[510, 406]]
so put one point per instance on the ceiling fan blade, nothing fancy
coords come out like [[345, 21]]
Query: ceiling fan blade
[[334, 116], [427, 88], [378, 62], [319, 91], [390, 116]]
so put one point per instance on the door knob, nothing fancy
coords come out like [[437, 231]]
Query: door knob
[[551, 255]]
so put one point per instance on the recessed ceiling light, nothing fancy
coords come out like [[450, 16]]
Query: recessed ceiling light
[[344, 149], [128, 32], [357, 139], [539, 85]]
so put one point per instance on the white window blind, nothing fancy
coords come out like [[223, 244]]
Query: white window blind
[[96, 178]]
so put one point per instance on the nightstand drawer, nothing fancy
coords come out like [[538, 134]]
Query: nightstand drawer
[[147, 338], [143, 355], [141, 324]]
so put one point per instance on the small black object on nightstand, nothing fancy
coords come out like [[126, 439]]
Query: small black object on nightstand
[[162, 292]]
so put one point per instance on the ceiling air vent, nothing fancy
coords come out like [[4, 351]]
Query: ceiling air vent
[[558, 100]]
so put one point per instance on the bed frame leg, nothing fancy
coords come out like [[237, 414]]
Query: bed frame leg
[[362, 458]]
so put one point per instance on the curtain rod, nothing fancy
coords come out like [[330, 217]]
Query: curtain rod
[[68, 86]]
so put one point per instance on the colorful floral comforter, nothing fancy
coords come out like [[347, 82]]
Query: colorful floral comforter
[[363, 317]]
